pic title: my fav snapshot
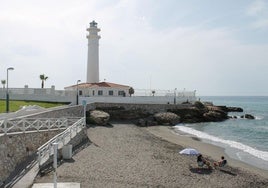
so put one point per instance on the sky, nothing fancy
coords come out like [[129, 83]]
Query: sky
[[212, 46]]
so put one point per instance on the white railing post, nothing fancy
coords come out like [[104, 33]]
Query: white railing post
[[5, 127], [66, 122], [23, 125], [38, 126], [48, 124]]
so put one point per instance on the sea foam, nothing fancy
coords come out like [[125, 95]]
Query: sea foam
[[252, 151]]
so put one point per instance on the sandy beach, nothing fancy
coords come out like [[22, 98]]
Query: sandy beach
[[124, 155]]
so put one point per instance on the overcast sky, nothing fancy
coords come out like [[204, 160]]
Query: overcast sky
[[216, 47]]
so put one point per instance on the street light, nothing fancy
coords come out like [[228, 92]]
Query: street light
[[7, 94], [77, 91], [175, 91]]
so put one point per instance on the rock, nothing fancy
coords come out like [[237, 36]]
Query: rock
[[189, 114], [215, 116], [141, 122], [249, 116], [167, 118], [234, 109], [199, 105], [98, 117], [230, 109], [146, 122]]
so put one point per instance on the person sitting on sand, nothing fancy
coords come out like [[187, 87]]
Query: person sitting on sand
[[220, 163], [201, 161]]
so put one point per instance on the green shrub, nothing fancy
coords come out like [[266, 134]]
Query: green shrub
[[199, 105]]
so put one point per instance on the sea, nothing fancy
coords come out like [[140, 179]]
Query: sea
[[243, 139]]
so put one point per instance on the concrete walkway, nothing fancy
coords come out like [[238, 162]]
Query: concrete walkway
[[59, 185], [27, 180]]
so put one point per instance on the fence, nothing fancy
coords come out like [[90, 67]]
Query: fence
[[32, 124], [45, 151]]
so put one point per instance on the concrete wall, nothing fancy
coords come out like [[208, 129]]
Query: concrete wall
[[151, 108], [13, 148], [16, 148], [140, 99], [52, 95], [38, 94], [69, 111]]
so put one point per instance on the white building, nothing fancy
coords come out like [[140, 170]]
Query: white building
[[101, 89]]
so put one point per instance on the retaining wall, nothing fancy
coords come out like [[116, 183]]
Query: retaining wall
[[15, 148], [150, 108]]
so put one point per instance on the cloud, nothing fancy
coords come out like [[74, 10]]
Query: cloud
[[257, 7], [135, 48], [258, 10]]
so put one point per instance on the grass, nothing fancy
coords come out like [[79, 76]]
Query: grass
[[16, 105]]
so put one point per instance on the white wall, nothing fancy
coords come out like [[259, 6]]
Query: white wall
[[37, 94], [52, 95], [139, 99]]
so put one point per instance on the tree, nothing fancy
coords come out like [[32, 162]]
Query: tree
[[43, 78], [153, 92], [131, 91], [3, 82]]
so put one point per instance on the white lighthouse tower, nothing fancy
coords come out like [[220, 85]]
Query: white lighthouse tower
[[93, 53]]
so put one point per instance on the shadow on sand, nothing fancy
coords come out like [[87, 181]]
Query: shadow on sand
[[228, 172], [108, 125], [204, 171]]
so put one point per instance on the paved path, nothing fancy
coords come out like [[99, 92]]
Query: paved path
[[59, 185], [27, 180]]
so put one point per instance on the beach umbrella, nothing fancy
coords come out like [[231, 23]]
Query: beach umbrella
[[189, 151]]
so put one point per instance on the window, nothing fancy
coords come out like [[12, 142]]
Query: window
[[100, 92], [93, 92], [80, 92], [111, 92], [121, 93]]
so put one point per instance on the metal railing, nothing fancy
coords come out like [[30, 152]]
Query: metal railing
[[45, 151], [32, 124]]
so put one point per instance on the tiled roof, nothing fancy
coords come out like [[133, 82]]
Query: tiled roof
[[100, 84]]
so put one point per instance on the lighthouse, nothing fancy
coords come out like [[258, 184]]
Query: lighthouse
[[93, 53]]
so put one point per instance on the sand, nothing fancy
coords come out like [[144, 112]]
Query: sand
[[125, 155]]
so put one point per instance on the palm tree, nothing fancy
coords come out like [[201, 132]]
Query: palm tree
[[131, 91], [43, 78], [3, 82]]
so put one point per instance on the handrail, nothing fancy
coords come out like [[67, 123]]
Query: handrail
[[46, 150], [34, 124]]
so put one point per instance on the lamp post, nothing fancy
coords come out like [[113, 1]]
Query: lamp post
[[7, 94], [55, 163], [77, 91], [175, 91]]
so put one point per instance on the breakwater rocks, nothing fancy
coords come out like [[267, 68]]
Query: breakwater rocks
[[152, 114]]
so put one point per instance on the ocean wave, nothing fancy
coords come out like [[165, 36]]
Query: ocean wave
[[257, 153], [259, 117]]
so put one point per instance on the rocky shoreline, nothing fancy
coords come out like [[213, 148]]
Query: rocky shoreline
[[189, 113]]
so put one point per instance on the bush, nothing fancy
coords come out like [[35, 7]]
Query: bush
[[199, 105]]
